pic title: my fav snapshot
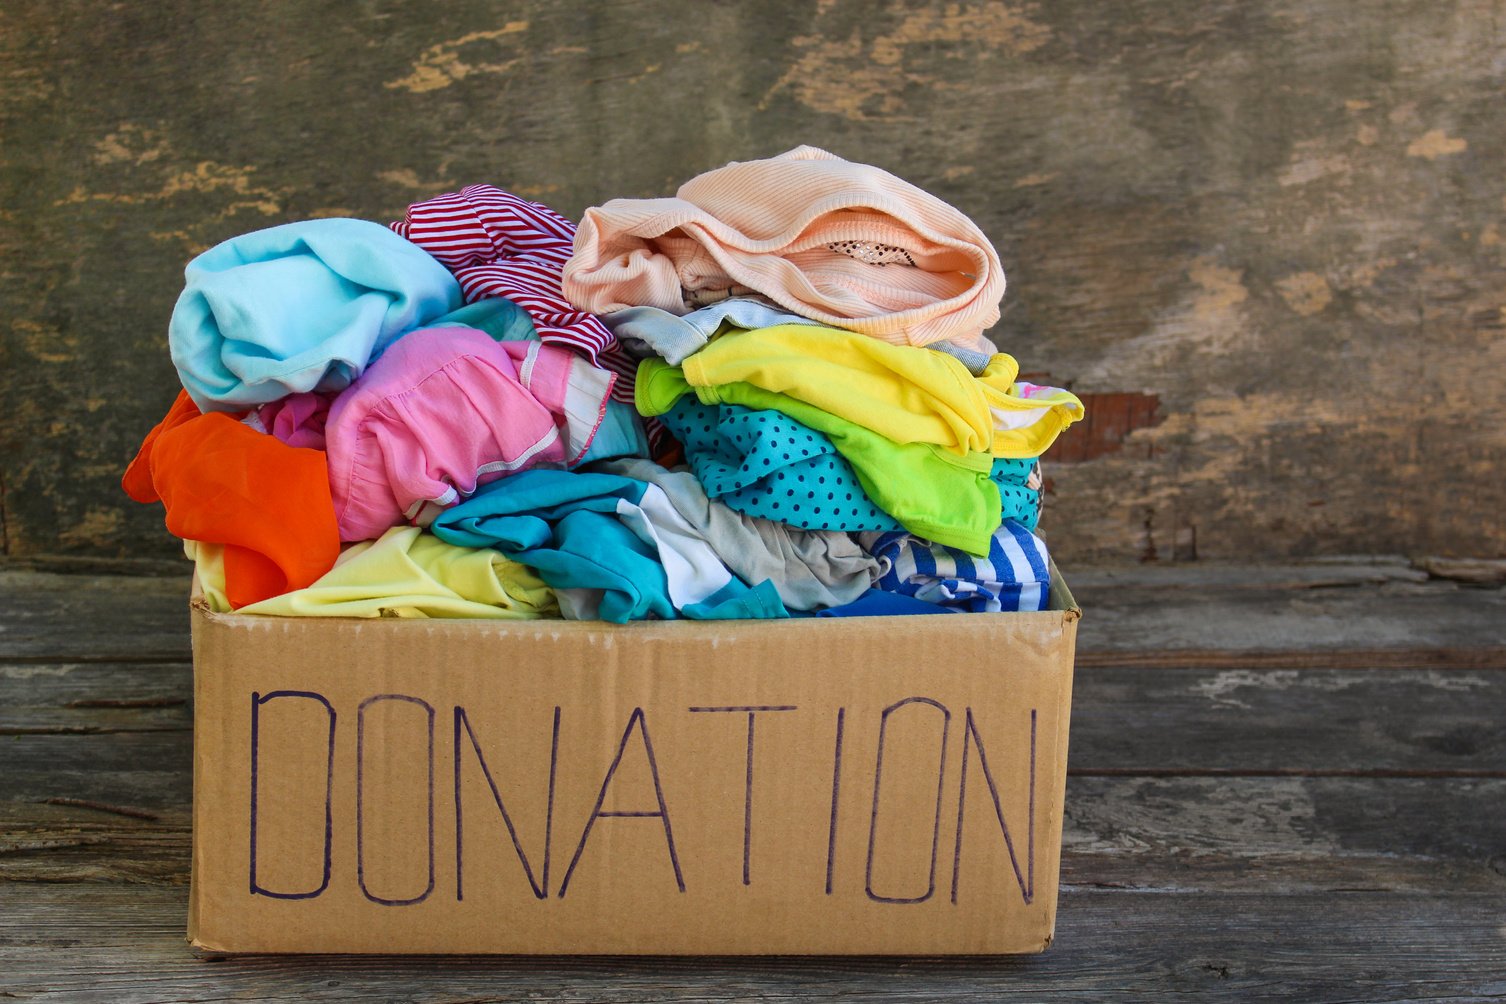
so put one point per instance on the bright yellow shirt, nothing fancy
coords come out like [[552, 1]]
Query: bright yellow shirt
[[904, 393]]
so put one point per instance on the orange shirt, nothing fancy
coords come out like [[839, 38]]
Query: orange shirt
[[223, 482]]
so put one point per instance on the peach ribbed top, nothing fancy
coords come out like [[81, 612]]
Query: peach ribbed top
[[846, 244]]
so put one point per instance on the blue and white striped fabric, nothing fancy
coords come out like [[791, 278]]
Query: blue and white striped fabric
[[1014, 576]]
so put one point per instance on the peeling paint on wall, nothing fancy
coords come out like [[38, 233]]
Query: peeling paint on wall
[[1436, 143], [1308, 169], [204, 177], [864, 76], [99, 529], [440, 65], [1271, 227], [406, 177], [1305, 292], [131, 143], [1221, 288]]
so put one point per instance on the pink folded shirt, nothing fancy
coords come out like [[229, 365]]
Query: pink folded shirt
[[447, 409], [846, 244]]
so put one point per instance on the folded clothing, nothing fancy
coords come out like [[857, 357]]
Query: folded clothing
[[878, 603], [409, 573], [932, 492], [847, 244], [498, 316], [809, 568], [612, 548], [1020, 489], [209, 573], [300, 419], [447, 409], [766, 464], [621, 433], [1014, 575], [498, 244], [903, 393], [649, 331], [300, 307], [222, 482]]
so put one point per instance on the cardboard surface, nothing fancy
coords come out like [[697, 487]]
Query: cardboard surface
[[866, 785]]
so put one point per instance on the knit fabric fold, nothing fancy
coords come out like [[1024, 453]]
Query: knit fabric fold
[[846, 244]]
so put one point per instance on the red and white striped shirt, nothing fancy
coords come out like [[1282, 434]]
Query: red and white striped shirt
[[497, 244]]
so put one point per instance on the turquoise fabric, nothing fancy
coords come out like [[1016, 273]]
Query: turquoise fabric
[[766, 464], [498, 316], [620, 435], [300, 307], [1017, 499], [565, 525]]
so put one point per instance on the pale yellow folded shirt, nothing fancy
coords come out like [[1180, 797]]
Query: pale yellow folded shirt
[[405, 573]]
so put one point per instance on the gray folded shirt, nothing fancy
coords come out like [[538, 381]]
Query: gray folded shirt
[[810, 569]]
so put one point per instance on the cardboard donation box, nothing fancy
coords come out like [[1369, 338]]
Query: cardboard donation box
[[814, 786]]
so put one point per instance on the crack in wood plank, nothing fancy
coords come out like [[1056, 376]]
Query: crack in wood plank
[[91, 658], [1256, 772], [85, 730], [23, 846], [4, 518], [119, 810], [127, 702], [1380, 658]]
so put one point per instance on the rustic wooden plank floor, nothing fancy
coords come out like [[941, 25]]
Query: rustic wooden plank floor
[[1285, 783]]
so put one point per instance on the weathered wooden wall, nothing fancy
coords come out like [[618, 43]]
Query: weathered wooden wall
[[1267, 238]]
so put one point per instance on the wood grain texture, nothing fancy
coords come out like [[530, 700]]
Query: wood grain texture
[[1241, 612], [119, 945], [1283, 220], [1172, 835], [1207, 614], [55, 617], [104, 697], [1317, 867], [1130, 720]]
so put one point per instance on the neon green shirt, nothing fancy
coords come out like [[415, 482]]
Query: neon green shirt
[[934, 493]]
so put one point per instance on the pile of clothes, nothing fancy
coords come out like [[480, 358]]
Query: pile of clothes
[[770, 395]]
